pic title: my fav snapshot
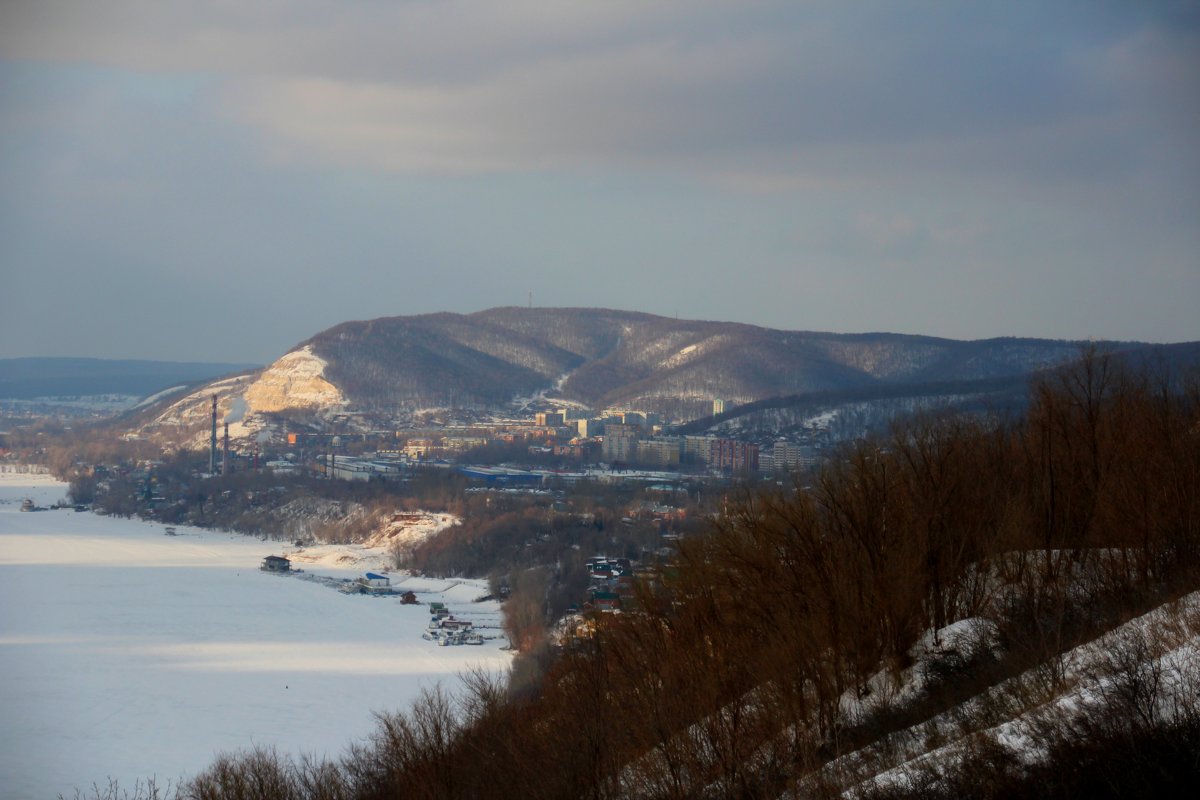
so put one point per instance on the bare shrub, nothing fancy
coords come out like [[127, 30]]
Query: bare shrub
[[257, 774], [142, 790]]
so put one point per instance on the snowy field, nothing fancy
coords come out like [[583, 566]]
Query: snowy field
[[127, 653]]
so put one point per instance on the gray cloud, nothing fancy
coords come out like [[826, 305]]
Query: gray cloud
[[757, 88], [962, 170], [861, 104]]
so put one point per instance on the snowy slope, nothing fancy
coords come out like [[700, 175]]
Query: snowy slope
[[1173, 634], [294, 382], [1017, 712]]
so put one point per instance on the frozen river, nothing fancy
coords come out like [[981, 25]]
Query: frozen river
[[126, 653]]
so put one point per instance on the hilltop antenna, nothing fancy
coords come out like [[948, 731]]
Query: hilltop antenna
[[531, 299]]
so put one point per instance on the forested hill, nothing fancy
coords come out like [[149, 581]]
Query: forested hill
[[1005, 393], [602, 357]]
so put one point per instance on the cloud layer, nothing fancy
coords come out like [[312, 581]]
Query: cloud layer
[[1030, 154]]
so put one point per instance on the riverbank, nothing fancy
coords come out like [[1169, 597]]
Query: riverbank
[[128, 653]]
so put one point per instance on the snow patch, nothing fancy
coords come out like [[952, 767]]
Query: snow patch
[[693, 351], [682, 357], [154, 398], [822, 420], [407, 529]]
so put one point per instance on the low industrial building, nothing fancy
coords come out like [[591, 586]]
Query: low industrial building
[[276, 564], [375, 583]]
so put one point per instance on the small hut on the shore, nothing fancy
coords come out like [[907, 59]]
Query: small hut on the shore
[[276, 564]]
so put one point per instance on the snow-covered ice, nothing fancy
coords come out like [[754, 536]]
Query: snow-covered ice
[[128, 653]]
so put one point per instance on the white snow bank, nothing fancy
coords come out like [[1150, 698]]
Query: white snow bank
[[154, 398], [30, 479], [407, 529]]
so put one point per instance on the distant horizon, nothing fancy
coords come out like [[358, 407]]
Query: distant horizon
[[258, 364], [132, 360]]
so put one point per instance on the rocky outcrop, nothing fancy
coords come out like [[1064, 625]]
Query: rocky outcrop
[[295, 381]]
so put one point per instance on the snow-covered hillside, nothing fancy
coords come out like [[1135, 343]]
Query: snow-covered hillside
[[295, 382], [1022, 714]]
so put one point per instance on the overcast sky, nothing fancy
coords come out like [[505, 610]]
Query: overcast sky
[[221, 180]]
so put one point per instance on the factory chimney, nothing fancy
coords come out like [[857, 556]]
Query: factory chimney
[[212, 445], [225, 458]]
